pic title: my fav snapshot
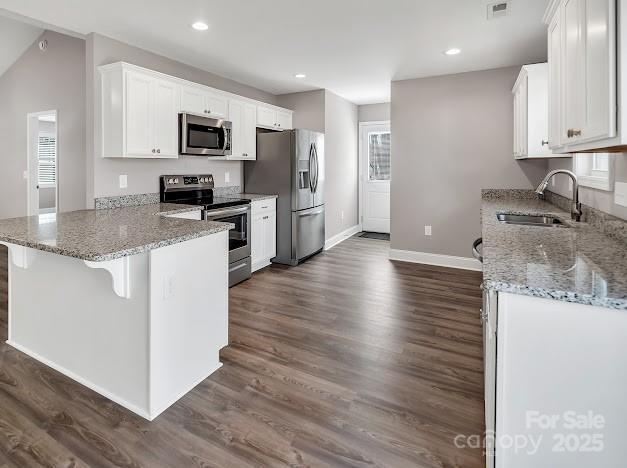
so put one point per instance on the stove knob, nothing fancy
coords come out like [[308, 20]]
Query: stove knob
[[170, 181], [176, 181]]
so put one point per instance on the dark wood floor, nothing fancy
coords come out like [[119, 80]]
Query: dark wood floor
[[347, 360]]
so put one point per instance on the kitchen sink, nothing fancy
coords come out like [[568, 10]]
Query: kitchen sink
[[530, 220]]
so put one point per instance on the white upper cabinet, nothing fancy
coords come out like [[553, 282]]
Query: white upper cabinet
[[582, 49], [144, 123], [243, 117], [140, 113], [273, 118], [197, 100], [531, 113]]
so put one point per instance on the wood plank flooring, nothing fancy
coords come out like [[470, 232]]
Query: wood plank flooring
[[347, 360]]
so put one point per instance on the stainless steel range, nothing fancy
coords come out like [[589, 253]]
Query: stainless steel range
[[198, 190]]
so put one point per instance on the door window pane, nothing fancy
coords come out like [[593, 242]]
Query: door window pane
[[379, 156]]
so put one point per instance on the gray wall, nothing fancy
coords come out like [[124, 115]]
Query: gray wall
[[599, 199], [374, 112], [41, 81], [452, 136], [323, 111], [342, 164], [103, 174], [308, 109]]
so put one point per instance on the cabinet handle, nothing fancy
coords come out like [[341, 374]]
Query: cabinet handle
[[265, 217], [153, 150], [159, 151], [545, 142]]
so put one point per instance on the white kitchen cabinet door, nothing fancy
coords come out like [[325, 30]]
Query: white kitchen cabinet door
[[531, 112], [555, 77], [284, 120], [243, 117], [236, 116], [257, 242], [269, 235], [250, 131], [263, 233], [139, 114], [573, 82], [165, 131], [599, 38], [266, 117], [193, 100], [217, 105], [583, 61]]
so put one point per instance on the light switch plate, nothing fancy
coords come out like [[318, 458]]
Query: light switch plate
[[427, 230], [123, 181], [620, 193]]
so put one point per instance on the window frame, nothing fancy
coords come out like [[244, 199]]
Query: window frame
[[368, 135], [588, 176]]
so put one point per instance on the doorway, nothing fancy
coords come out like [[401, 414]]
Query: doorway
[[374, 179], [42, 172]]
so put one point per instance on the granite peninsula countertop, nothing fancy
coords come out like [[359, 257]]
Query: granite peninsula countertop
[[574, 264], [107, 234]]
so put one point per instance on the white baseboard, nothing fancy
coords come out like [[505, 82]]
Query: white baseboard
[[342, 236], [96, 388], [464, 263]]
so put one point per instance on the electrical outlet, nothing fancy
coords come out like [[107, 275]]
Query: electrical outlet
[[342, 215], [227, 177], [427, 230], [123, 181], [25, 175]]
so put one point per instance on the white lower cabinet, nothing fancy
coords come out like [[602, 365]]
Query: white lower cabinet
[[263, 233]]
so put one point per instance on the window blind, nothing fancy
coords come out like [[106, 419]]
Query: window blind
[[47, 155]]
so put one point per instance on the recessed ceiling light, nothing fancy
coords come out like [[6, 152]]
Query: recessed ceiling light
[[200, 26], [453, 51], [300, 75]]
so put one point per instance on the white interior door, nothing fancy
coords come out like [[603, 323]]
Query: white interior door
[[375, 176]]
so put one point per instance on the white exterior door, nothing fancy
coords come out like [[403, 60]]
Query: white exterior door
[[375, 176]]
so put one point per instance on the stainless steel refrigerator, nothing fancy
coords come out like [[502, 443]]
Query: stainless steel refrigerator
[[291, 165]]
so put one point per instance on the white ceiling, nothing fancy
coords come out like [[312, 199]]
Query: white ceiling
[[15, 38], [351, 47]]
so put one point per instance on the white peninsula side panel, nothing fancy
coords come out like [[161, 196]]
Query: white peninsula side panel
[[561, 384], [143, 351]]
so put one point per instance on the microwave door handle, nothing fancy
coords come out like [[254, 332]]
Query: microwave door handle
[[226, 138]]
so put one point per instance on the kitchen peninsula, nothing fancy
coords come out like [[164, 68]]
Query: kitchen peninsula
[[131, 302]]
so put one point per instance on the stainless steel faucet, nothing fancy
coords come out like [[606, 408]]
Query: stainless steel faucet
[[575, 207]]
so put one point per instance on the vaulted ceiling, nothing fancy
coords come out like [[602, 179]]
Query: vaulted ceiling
[[351, 47]]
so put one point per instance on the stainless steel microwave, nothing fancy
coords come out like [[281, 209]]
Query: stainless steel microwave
[[204, 136]]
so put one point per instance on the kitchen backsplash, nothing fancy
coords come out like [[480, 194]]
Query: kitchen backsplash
[[105, 203]]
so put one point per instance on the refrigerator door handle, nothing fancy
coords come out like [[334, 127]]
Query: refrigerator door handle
[[315, 152], [311, 155]]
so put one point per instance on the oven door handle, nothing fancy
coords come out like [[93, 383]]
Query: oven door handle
[[218, 213]]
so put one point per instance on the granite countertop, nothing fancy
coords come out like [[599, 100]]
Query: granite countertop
[[99, 235], [252, 196], [574, 264]]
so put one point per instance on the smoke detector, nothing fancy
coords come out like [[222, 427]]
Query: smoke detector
[[498, 9]]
